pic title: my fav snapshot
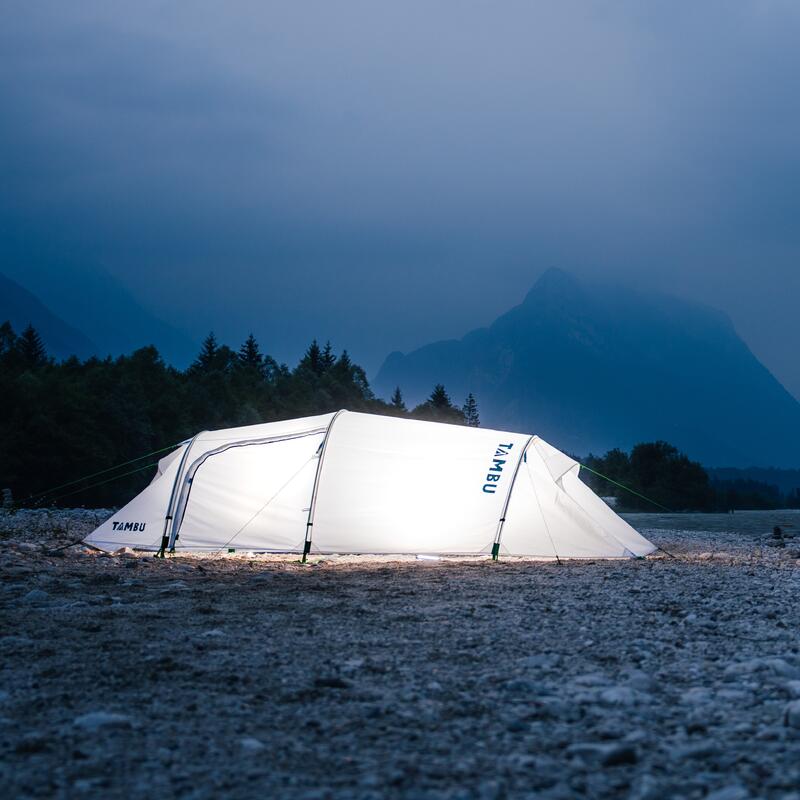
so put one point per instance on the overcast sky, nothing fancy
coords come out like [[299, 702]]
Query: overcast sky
[[385, 174]]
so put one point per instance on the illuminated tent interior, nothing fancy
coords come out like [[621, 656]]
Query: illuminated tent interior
[[362, 483]]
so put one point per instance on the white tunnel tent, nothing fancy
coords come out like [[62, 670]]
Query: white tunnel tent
[[361, 483]]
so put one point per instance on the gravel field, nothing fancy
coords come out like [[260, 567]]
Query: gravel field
[[355, 677]]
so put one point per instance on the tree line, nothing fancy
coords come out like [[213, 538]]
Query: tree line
[[61, 420], [656, 474]]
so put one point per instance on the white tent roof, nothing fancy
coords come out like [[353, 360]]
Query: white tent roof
[[362, 483]]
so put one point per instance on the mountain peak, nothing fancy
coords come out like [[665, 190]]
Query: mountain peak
[[554, 283], [594, 366]]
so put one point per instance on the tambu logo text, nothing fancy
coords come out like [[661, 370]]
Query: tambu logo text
[[128, 526], [496, 470]]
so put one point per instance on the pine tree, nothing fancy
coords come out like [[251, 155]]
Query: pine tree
[[327, 358], [344, 366], [439, 408], [397, 400], [470, 411], [31, 348], [207, 357], [360, 381], [250, 355], [312, 359], [439, 397]]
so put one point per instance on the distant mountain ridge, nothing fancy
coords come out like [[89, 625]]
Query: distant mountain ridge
[[22, 308], [591, 367], [89, 299]]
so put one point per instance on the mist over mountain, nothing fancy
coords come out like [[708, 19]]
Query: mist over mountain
[[94, 302], [22, 308], [591, 367]]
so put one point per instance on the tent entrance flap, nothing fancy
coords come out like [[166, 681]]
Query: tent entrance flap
[[189, 479], [253, 494]]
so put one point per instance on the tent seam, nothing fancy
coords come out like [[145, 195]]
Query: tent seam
[[586, 514], [541, 511]]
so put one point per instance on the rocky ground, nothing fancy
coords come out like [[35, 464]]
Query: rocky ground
[[133, 677]]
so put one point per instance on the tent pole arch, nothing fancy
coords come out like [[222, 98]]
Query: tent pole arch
[[312, 508], [499, 532], [166, 537]]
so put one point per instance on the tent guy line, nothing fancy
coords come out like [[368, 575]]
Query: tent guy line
[[104, 482], [230, 541], [91, 475], [626, 488]]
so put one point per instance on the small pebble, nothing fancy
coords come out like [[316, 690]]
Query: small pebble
[[102, 720]]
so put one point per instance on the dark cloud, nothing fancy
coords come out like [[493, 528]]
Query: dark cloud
[[384, 175]]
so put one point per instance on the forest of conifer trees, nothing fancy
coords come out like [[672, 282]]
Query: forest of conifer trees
[[63, 420]]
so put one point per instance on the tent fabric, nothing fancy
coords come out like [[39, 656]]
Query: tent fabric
[[363, 483], [163, 463]]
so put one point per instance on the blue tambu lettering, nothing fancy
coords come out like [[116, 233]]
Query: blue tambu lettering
[[494, 474]]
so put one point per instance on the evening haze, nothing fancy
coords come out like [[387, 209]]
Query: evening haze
[[388, 175]]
